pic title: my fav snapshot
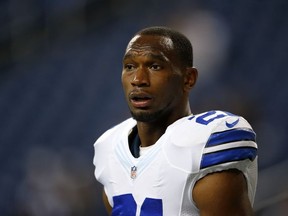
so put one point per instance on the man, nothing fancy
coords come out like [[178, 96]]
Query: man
[[165, 160]]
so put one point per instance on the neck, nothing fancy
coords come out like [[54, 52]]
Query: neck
[[150, 132]]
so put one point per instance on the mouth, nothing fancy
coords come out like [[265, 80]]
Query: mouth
[[140, 100]]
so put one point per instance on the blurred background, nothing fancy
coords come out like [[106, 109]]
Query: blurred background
[[60, 68]]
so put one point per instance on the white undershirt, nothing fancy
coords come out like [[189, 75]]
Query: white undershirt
[[144, 150]]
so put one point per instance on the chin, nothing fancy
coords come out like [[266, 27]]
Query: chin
[[146, 116]]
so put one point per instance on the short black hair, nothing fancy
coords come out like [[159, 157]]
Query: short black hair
[[181, 43]]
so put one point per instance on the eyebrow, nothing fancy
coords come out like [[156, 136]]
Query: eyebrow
[[159, 57]]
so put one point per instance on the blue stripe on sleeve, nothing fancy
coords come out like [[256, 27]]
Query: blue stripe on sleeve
[[230, 136], [229, 155]]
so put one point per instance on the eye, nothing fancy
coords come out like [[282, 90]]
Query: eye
[[156, 67], [129, 67]]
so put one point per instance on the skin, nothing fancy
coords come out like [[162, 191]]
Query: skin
[[157, 87]]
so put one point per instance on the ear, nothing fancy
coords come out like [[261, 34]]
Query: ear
[[190, 78]]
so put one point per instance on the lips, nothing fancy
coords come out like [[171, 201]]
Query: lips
[[140, 99]]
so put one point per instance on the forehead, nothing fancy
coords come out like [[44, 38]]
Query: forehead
[[141, 44]]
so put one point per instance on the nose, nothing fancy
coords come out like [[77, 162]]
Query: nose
[[140, 78]]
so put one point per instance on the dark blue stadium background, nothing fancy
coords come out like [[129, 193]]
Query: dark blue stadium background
[[60, 68]]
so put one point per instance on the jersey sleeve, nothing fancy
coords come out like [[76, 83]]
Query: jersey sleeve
[[232, 140], [231, 145], [210, 141]]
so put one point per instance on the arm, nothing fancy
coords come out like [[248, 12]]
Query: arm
[[222, 193], [106, 203]]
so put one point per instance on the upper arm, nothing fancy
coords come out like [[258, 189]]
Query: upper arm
[[222, 192], [106, 203]]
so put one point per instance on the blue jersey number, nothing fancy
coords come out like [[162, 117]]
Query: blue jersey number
[[206, 118], [125, 205]]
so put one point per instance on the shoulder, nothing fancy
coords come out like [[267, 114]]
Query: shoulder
[[200, 127], [104, 145], [211, 138], [117, 131]]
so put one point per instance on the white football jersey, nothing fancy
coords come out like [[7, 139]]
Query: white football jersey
[[160, 182]]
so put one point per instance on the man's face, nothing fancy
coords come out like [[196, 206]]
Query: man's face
[[151, 78]]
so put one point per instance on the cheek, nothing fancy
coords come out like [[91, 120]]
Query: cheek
[[172, 84], [174, 90], [168, 89], [124, 81], [125, 86]]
